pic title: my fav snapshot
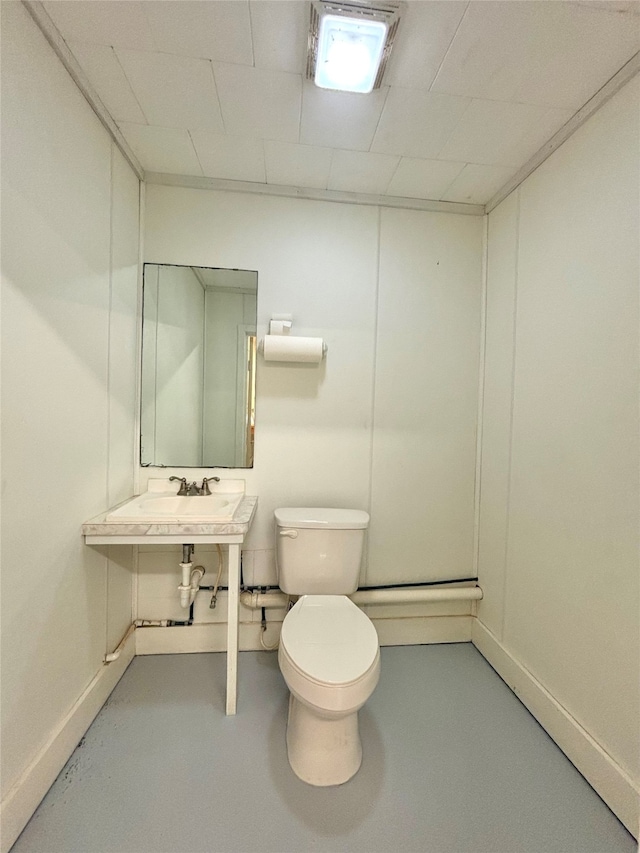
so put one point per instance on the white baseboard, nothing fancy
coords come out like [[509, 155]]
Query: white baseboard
[[212, 637], [25, 796], [602, 772]]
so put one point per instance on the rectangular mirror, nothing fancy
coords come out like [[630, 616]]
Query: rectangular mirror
[[198, 367]]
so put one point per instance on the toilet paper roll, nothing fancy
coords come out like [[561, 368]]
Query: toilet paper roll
[[285, 348]]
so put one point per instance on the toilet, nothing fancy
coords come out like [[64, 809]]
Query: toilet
[[329, 653]]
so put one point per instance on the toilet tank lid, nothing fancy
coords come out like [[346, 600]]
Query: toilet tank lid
[[322, 517]]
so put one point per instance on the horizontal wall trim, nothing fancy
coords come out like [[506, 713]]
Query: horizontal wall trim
[[25, 796], [619, 79], [599, 768], [223, 185]]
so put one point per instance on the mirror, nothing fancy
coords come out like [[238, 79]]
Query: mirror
[[198, 367]]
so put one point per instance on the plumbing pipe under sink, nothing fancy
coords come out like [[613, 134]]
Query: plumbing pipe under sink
[[191, 578], [190, 583]]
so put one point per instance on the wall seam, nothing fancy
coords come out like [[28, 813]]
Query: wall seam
[[108, 390], [514, 331], [138, 404], [138, 411], [374, 372], [481, 386]]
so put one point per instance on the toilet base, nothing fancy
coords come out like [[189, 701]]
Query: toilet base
[[322, 750]]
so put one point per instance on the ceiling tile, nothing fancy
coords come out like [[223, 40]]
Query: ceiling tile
[[210, 30], [173, 91], [423, 178], [297, 165], [96, 23], [547, 125], [280, 30], [424, 34], [477, 184], [231, 157], [105, 74], [162, 149], [556, 54], [259, 102], [497, 133], [417, 124], [361, 171], [340, 119]]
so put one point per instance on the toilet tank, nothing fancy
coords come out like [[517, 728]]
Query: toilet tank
[[318, 550]]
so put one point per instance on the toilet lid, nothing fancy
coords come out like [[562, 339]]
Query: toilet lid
[[329, 639]]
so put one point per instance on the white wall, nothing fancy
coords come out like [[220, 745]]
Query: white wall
[[391, 412], [69, 266], [558, 554]]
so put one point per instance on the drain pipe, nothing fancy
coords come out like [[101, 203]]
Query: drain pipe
[[190, 578], [415, 595], [374, 596]]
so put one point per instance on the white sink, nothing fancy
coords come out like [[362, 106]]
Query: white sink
[[156, 506]]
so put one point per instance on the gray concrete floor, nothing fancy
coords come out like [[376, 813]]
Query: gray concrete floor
[[453, 763]]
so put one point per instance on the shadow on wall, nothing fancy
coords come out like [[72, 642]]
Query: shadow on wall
[[281, 379], [337, 810]]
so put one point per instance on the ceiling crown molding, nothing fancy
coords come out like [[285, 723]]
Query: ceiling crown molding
[[49, 30], [223, 185], [613, 85]]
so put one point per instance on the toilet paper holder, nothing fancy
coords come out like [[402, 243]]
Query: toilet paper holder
[[280, 324]]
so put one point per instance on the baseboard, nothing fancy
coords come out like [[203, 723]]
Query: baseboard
[[212, 637], [602, 772], [25, 796]]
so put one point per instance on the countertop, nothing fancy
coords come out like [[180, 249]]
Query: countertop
[[239, 526]]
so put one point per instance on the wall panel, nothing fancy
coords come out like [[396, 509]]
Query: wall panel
[[426, 392], [570, 578], [58, 204]]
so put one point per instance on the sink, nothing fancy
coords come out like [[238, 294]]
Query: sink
[[158, 507]]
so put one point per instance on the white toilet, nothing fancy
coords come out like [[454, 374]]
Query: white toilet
[[329, 653]]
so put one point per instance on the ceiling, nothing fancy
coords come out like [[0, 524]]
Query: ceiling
[[216, 89]]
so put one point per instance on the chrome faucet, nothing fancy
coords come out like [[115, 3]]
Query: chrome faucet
[[204, 488], [193, 489], [184, 488]]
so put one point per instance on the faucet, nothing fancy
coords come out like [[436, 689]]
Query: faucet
[[184, 489], [204, 488], [193, 489]]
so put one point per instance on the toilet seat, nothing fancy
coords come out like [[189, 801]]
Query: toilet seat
[[329, 641]]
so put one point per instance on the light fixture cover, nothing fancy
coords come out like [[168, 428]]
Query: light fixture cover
[[349, 44], [349, 53]]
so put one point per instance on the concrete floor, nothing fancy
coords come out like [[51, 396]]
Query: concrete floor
[[453, 763]]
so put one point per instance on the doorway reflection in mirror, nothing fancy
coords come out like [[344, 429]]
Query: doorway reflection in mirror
[[198, 366]]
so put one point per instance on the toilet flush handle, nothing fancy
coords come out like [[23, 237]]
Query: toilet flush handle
[[292, 534]]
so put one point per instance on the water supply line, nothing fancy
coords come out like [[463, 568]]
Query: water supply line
[[115, 654], [214, 596]]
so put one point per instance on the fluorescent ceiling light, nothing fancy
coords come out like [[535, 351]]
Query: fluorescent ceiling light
[[349, 44], [349, 53]]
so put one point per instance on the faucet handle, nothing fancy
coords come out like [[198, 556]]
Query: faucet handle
[[205, 490], [184, 489]]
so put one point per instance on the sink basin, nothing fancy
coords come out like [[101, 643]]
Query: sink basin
[[154, 507]]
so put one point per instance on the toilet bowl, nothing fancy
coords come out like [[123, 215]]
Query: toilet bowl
[[329, 657]]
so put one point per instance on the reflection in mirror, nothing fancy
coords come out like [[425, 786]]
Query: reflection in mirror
[[198, 366]]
